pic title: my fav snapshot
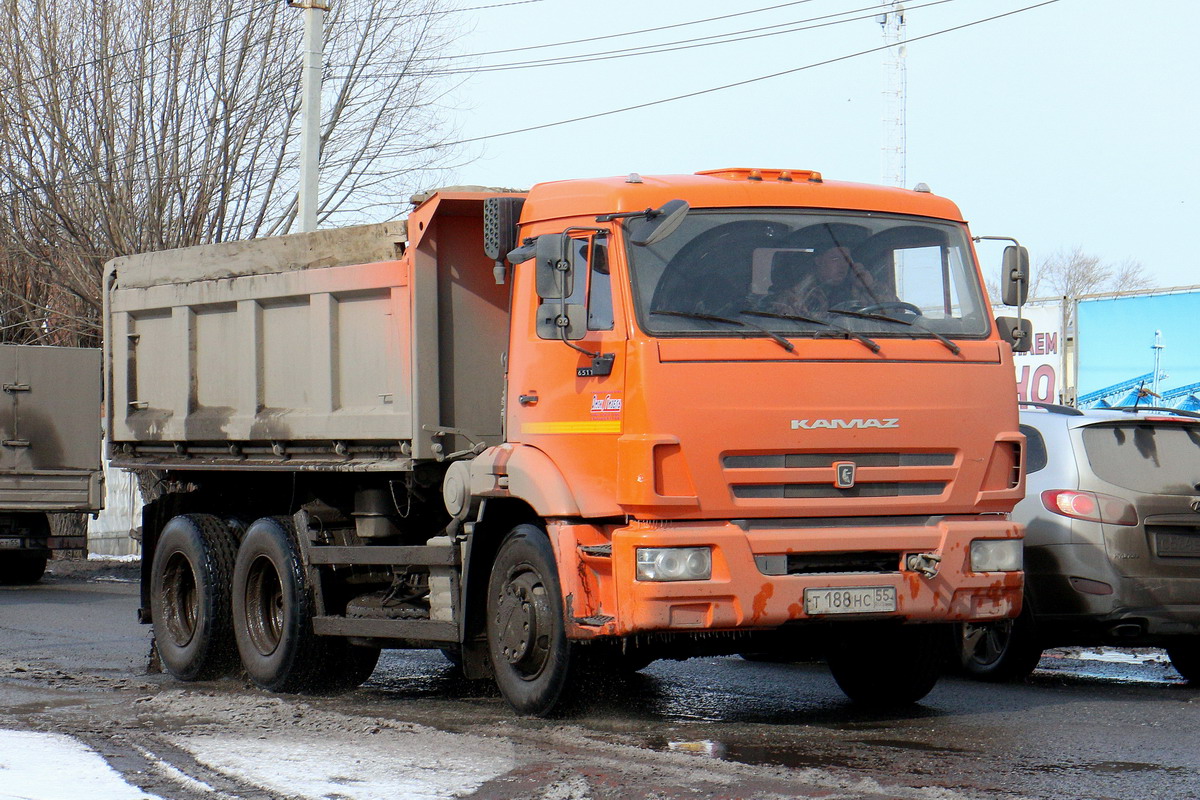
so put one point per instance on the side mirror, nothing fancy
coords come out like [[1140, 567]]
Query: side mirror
[[1017, 332], [1014, 278], [653, 227], [553, 322], [555, 266]]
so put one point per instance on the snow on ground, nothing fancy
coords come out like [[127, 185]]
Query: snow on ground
[[418, 764], [50, 766], [1112, 655]]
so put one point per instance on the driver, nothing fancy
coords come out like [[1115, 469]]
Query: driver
[[833, 279]]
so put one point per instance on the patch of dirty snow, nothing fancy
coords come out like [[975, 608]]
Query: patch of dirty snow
[[416, 764], [50, 766]]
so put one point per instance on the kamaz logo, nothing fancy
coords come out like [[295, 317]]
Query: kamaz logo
[[812, 424]]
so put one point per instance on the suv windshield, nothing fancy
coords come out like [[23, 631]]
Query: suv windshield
[[1152, 458], [809, 273]]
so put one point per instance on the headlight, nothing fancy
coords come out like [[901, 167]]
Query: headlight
[[674, 563], [996, 555]]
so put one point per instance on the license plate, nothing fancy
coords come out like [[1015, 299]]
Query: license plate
[[11, 544], [850, 600]]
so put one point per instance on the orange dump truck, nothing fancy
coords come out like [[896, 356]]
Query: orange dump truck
[[574, 430]]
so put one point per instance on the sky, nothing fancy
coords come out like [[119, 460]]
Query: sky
[[1070, 124]]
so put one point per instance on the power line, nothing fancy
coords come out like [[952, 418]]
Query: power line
[[597, 115], [627, 33], [143, 46], [684, 44], [729, 85]]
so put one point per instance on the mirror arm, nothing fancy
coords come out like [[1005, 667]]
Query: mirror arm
[[601, 362], [649, 213], [1020, 306]]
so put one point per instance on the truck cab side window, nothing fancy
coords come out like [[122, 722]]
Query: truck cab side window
[[600, 302]]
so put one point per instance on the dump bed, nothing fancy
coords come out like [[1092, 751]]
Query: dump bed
[[50, 429], [337, 348]]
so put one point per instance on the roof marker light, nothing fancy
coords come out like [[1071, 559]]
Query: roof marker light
[[634, 178], [923, 188]]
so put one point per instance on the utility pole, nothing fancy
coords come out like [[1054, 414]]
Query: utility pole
[[310, 109], [1157, 347], [895, 77]]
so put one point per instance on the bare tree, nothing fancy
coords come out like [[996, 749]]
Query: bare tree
[[162, 123], [1075, 273]]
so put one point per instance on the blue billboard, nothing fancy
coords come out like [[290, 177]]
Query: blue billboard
[[1132, 348]]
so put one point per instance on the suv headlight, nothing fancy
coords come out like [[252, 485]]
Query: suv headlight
[[674, 563], [996, 555]]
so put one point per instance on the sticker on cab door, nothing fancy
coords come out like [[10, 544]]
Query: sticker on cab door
[[607, 405]]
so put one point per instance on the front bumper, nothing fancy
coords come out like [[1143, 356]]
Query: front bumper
[[739, 596]]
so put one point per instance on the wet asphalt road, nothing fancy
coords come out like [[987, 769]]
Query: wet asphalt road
[[1077, 729]]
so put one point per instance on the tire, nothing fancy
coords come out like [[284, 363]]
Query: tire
[[527, 642], [1185, 658], [347, 666], [21, 569], [273, 612], [1000, 651], [887, 667], [189, 597]]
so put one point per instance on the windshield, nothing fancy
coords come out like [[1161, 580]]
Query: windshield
[[1146, 457], [804, 273]]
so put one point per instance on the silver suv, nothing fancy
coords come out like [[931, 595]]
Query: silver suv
[[1112, 539]]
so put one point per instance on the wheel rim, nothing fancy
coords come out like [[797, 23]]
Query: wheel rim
[[181, 600], [986, 643], [264, 606], [524, 623]]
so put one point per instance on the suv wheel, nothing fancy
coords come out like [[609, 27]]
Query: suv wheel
[[1007, 650]]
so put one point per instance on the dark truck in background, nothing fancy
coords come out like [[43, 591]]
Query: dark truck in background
[[49, 452]]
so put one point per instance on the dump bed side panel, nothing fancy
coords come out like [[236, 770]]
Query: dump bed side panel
[[50, 429], [301, 355]]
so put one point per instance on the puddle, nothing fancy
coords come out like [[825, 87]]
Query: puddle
[[773, 755]]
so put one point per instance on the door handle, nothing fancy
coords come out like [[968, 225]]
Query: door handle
[[528, 399]]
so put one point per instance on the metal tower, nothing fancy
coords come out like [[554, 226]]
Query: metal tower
[[895, 81]]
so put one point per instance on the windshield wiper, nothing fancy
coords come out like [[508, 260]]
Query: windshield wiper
[[951, 346], [849, 334], [784, 343]]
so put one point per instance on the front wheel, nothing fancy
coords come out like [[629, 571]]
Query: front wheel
[[1185, 658], [887, 667], [1007, 650], [526, 637]]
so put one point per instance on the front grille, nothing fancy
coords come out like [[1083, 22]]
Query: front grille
[[878, 563], [814, 476], [816, 460], [818, 490], [1175, 541]]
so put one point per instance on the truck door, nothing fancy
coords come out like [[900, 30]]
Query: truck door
[[49, 408], [558, 399]]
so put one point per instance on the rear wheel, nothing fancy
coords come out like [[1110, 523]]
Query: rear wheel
[[527, 640], [1185, 658], [273, 611], [1000, 651], [887, 667], [22, 569], [189, 597]]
